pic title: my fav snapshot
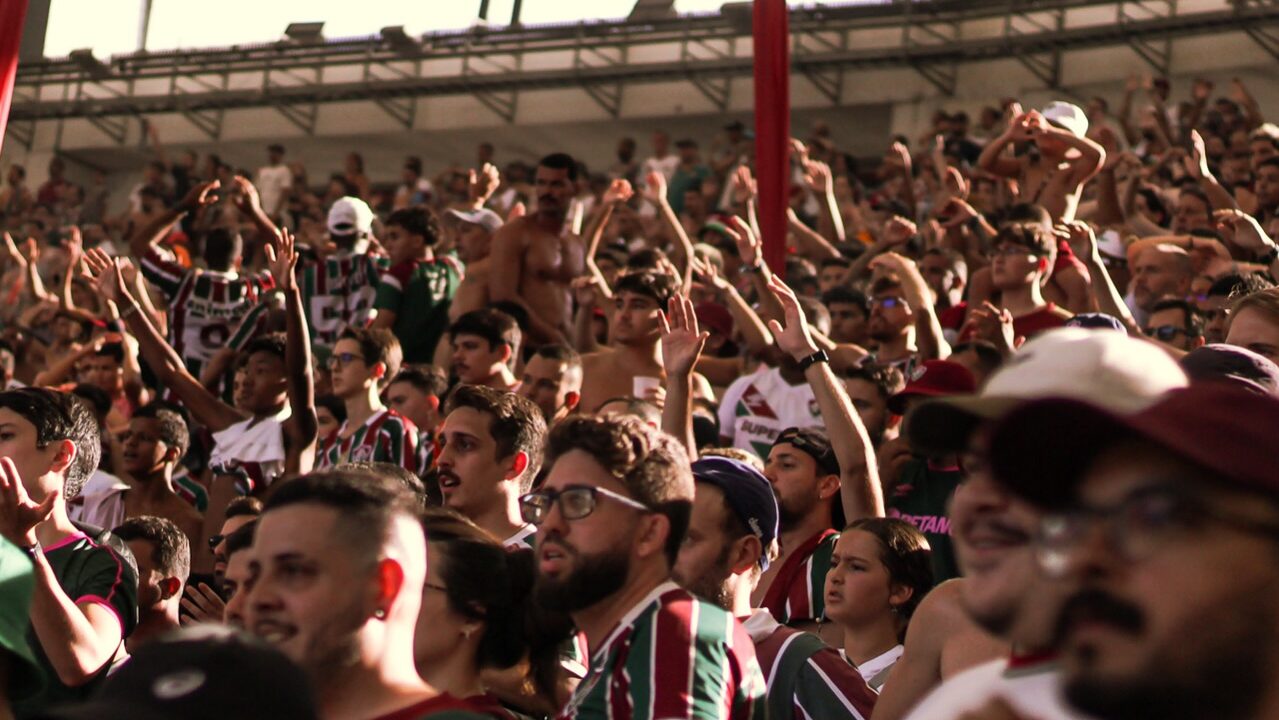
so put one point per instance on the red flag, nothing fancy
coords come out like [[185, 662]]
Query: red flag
[[12, 14], [772, 126]]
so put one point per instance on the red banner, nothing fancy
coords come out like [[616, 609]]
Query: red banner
[[13, 14], [772, 126]]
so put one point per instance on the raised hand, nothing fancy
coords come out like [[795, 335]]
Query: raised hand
[[483, 183], [247, 198], [991, 324], [682, 340], [794, 338], [619, 191], [107, 273], [1248, 233], [913, 285], [203, 604], [957, 212], [744, 187], [11, 249], [898, 231], [202, 195], [655, 188], [749, 246], [587, 291], [818, 176], [19, 513], [282, 258], [1081, 237], [1197, 161], [708, 275]]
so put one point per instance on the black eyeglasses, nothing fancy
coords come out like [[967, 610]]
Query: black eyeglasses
[[1164, 333], [1011, 250], [345, 358], [576, 502], [1136, 528]]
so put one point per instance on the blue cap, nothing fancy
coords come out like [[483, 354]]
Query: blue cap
[[748, 494]]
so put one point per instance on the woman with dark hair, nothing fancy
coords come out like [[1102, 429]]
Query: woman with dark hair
[[880, 571], [475, 619]]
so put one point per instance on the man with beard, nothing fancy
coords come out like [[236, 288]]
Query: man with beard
[[610, 520], [338, 566], [534, 260], [485, 344], [1002, 588], [1162, 527], [637, 354], [732, 538], [490, 452]]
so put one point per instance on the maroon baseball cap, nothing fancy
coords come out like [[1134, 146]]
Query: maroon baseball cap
[[1042, 449], [934, 378]]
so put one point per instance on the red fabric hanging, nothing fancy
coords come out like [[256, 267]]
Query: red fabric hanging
[[772, 126], [13, 14]]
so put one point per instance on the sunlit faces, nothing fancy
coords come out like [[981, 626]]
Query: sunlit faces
[[352, 376], [636, 319], [859, 589], [704, 564], [554, 189], [1184, 630], [1253, 329], [408, 400], [798, 483], [143, 451], [581, 562], [18, 443], [469, 468], [473, 242], [262, 385], [401, 245], [475, 360], [552, 385], [311, 595], [104, 372], [1158, 274], [890, 316], [1016, 266]]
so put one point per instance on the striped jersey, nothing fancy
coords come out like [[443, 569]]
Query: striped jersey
[[819, 683], [420, 294], [797, 593], [206, 307], [672, 656], [387, 436], [340, 291]]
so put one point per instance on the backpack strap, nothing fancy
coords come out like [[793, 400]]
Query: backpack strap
[[785, 676]]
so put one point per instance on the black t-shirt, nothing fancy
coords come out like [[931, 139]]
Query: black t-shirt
[[922, 498], [87, 572]]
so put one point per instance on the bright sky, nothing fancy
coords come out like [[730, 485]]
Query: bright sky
[[111, 26]]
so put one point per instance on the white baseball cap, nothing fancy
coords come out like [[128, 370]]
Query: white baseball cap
[[350, 215], [1067, 116], [1105, 368], [483, 217]]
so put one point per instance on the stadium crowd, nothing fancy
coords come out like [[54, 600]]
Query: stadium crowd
[[553, 440]]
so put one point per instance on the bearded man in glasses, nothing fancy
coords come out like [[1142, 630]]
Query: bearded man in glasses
[[611, 517], [1163, 528]]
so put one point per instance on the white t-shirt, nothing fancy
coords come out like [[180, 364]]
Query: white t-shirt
[[272, 182], [666, 166], [872, 668], [100, 502], [1034, 691], [758, 407]]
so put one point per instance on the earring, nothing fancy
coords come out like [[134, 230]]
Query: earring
[[466, 632], [380, 613]]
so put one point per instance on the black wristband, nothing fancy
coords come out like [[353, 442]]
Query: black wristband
[[818, 357]]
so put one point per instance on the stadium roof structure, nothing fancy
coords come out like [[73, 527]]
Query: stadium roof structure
[[602, 58]]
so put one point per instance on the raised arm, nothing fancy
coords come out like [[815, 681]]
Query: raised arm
[[992, 158], [1109, 299], [754, 332], [249, 202], [205, 407], [1197, 167], [302, 427], [928, 332], [78, 639], [682, 344], [858, 472], [656, 194], [619, 191], [158, 228]]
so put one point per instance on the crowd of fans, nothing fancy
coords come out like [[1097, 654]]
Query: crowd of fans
[[555, 441]]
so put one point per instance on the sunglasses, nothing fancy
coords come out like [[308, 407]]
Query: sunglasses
[[888, 303], [575, 503], [1164, 333]]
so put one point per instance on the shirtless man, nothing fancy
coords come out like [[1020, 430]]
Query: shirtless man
[[636, 352], [474, 233], [1054, 158], [534, 260]]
